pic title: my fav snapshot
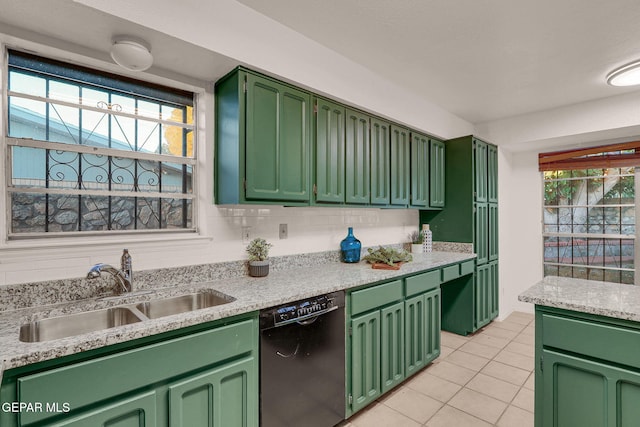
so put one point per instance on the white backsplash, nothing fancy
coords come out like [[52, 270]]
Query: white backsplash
[[310, 229]]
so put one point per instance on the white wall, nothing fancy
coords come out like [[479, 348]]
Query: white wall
[[219, 239], [520, 230]]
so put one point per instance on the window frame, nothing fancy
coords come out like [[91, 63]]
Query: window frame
[[8, 142], [588, 159]]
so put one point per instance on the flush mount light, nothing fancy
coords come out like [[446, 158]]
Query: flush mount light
[[627, 75], [131, 53]]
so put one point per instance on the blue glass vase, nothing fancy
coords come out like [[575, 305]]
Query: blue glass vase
[[350, 248]]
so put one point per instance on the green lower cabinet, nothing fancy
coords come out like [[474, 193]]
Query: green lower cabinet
[[481, 296], [203, 376], [394, 331], [392, 346], [137, 411], [583, 393], [486, 294], [218, 397], [422, 330], [365, 360]]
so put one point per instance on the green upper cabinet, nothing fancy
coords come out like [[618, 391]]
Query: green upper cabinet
[[357, 169], [329, 152], [380, 162], [492, 173], [278, 144], [419, 170], [277, 141], [480, 168], [263, 133], [400, 165], [427, 171], [436, 173]]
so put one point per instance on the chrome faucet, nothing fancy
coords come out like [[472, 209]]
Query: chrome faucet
[[123, 277]]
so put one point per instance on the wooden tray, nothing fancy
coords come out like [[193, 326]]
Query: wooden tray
[[383, 266]]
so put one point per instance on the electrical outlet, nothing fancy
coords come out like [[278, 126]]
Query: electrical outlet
[[246, 234], [284, 233]]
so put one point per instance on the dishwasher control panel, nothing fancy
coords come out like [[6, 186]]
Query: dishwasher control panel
[[304, 309]]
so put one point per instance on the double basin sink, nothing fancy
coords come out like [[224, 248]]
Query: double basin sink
[[91, 321]]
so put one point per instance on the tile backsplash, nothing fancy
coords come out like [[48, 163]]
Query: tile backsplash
[[220, 239]]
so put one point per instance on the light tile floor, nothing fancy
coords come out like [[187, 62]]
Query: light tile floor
[[485, 379]]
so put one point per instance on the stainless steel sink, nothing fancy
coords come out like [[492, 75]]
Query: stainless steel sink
[[75, 324], [81, 323], [182, 304]]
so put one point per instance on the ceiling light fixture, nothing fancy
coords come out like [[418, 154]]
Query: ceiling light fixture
[[627, 75], [131, 53]]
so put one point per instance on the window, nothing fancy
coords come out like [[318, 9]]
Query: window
[[589, 216], [95, 152]]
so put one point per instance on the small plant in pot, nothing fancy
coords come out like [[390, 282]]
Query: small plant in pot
[[416, 242], [258, 251]]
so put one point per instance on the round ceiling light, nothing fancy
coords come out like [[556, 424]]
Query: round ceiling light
[[131, 53], [627, 75]]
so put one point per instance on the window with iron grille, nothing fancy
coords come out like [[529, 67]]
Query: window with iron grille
[[91, 152], [589, 217]]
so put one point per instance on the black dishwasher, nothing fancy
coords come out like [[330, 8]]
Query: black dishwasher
[[302, 352]]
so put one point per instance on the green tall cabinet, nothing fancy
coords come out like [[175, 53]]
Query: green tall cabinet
[[263, 134], [470, 216]]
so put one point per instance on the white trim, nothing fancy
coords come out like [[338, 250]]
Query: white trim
[[81, 106], [590, 235], [89, 149]]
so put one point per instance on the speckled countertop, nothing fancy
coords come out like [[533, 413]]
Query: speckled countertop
[[587, 296], [250, 294]]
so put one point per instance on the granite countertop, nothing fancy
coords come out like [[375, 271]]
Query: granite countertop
[[250, 294], [587, 296]]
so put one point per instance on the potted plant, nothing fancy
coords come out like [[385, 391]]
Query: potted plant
[[416, 241], [387, 258], [258, 250]]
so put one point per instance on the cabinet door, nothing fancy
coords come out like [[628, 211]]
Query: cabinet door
[[223, 396], [494, 290], [365, 360], [492, 173], [422, 330], [380, 162], [415, 334], [581, 392], [357, 158], [492, 231], [400, 167], [481, 226], [277, 141], [419, 170], [482, 296], [436, 173], [432, 328], [137, 411], [392, 346], [480, 170], [329, 152]]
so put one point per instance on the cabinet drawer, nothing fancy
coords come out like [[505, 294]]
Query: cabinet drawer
[[467, 267], [376, 296], [422, 282], [591, 338], [451, 272], [91, 381]]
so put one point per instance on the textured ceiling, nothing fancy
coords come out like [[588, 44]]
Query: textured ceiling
[[479, 59]]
